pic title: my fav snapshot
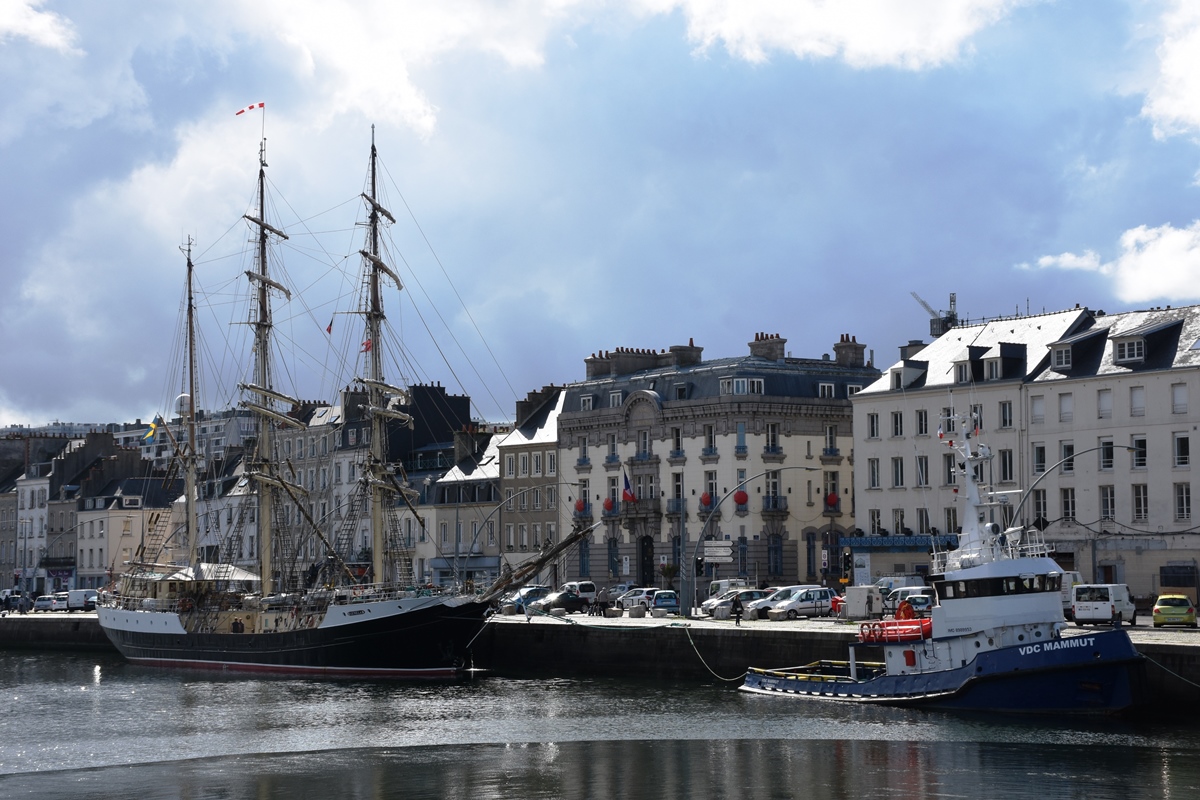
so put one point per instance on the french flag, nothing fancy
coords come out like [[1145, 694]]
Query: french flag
[[627, 495], [940, 434]]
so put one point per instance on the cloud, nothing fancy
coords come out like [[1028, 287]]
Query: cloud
[[20, 19], [1173, 100], [1155, 264], [863, 33]]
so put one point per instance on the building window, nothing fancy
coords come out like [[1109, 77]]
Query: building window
[[1139, 452], [585, 558], [644, 443], [740, 386], [1066, 454], [1006, 466], [1183, 502], [898, 520], [676, 441], [551, 464], [1108, 502], [825, 391], [1179, 398], [949, 471], [922, 422], [772, 437], [1062, 358], [510, 466], [1037, 409], [757, 386], [1183, 450], [1039, 504], [897, 473], [524, 465], [614, 399], [726, 385], [1106, 454], [1039, 458], [897, 423], [1067, 495], [897, 380], [962, 373], [853, 389], [585, 402], [923, 521], [922, 470], [872, 426], [874, 521], [612, 447], [537, 465], [872, 473], [1134, 350], [1104, 404], [951, 520], [508, 499], [1141, 502], [1006, 417], [993, 370], [1137, 401], [1066, 407]]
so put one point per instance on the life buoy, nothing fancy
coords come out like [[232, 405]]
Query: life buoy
[[905, 610], [864, 631], [877, 631]]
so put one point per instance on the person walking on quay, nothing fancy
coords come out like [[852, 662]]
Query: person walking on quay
[[601, 603], [736, 608]]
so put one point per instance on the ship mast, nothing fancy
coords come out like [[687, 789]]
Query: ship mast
[[189, 452], [378, 475]]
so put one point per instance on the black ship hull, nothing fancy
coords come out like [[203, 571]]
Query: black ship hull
[[431, 641]]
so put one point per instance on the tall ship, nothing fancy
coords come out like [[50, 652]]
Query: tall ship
[[314, 598], [993, 641]]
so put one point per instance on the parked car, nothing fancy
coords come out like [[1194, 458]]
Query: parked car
[[668, 599], [636, 597], [757, 609], [62, 601], [566, 600], [1174, 609], [746, 596], [527, 594], [893, 599], [585, 589], [921, 604], [707, 606], [809, 603], [47, 602]]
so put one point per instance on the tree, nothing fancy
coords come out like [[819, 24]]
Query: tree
[[669, 571]]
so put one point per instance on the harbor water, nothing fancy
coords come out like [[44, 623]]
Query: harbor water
[[92, 726]]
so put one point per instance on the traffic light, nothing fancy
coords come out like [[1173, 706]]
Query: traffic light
[[699, 566], [847, 562]]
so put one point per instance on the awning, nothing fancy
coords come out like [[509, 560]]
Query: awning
[[215, 572]]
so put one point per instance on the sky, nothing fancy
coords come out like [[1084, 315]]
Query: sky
[[572, 176]]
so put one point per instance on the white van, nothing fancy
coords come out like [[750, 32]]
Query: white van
[[1102, 603], [585, 589], [81, 600], [1069, 579], [718, 588], [895, 597]]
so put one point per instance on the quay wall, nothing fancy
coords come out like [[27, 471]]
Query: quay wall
[[679, 651]]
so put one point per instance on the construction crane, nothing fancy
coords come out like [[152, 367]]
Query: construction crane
[[939, 323]]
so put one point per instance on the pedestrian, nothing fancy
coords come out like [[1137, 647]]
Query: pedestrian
[[736, 608], [602, 600]]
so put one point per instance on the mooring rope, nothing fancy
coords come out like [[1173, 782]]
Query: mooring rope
[[1171, 671]]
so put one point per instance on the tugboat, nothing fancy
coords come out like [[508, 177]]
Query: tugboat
[[994, 640]]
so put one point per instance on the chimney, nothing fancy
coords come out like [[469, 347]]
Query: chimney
[[849, 352], [770, 346]]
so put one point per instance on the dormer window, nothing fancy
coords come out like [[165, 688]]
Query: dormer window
[[993, 370], [1132, 350], [585, 403], [897, 380], [1062, 358], [614, 399], [962, 373]]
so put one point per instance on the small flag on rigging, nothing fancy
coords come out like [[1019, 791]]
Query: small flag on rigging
[[366, 346]]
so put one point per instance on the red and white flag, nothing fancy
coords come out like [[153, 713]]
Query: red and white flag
[[250, 107], [366, 346]]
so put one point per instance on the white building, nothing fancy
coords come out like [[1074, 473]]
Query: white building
[[1105, 395]]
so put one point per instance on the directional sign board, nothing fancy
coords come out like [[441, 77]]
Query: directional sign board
[[722, 559], [717, 548]]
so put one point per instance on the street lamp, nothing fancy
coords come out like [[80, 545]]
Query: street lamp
[[713, 511]]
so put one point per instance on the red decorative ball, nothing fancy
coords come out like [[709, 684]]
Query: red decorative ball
[[579, 506], [740, 497], [706, 499], [608, 504]]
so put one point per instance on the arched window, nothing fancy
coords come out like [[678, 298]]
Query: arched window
[[810, 553]]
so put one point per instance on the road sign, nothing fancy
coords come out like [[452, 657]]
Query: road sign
[[725, 559], [718, 548]]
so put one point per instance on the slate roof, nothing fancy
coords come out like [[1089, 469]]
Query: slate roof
[[1172, 336]]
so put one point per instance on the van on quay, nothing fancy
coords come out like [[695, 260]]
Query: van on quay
[[888, 583], [81, 600], [718, 588], [894, 598], [585, 589], [1102, 604], [1069, 579]]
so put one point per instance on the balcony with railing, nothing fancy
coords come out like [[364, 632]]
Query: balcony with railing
[[676, 457], [772, 452], [709, 454], [676, 506], [775, 504], [611, 508], [583, 510], [741, 451]]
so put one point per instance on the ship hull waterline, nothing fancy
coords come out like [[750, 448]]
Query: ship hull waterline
[[1099, 673], [429, 642]]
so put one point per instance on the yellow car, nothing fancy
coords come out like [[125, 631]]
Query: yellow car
[[1174, 609]]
